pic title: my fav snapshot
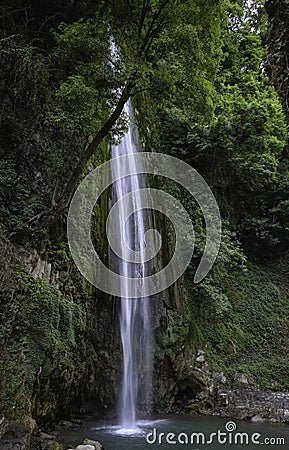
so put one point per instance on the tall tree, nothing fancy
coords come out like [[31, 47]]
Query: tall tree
[[167, 47]]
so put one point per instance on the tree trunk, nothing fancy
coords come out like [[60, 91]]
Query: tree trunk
[[59, 206]]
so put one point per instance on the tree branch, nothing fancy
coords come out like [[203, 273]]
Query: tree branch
[[145, 6], [62, 204], [154, 20]]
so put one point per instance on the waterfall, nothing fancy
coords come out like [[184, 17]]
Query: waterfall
[[134, 314]]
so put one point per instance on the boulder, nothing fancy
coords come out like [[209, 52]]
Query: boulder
[[97, 445], [200, 359], [200, 352], [219, 376], [258, 419], [84, 447], [241, 379]]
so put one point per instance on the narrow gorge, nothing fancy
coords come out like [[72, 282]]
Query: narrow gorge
[[206, 83]]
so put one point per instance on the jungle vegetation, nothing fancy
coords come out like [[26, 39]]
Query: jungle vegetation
[[209, 79]]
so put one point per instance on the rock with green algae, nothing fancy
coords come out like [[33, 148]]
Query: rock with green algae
[[51, 445], [44, 441], [17, 435]]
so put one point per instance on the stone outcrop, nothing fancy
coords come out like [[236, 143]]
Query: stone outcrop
[[182, 380], [253, 404]]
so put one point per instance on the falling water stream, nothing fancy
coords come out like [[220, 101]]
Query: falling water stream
[[134, 314]]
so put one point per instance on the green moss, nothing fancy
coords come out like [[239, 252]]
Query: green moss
[[251, 335], [44, 353], [271, 373]]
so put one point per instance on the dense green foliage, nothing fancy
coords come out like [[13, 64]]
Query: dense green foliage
[[239, 312], [195, 72], [58, 77]]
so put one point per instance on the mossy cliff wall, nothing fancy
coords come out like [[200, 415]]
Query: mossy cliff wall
[[56, 337]]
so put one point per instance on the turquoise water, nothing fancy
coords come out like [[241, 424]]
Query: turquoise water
[[182, 432]]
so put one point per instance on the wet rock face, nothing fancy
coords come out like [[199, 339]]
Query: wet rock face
[[182, 380], [16, 436], [57, 344]]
